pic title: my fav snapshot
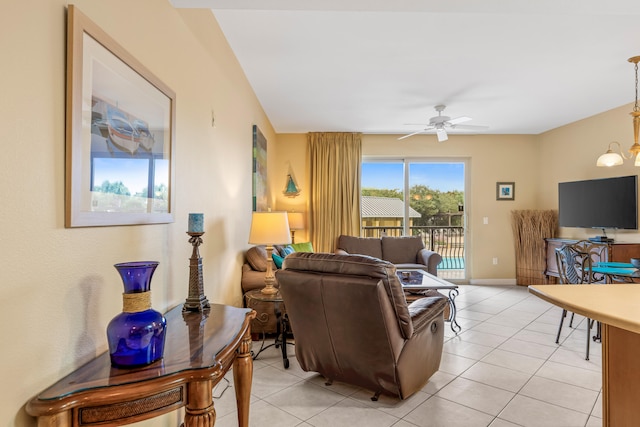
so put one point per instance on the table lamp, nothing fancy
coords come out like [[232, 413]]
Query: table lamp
[[296, 222], [269, 228]]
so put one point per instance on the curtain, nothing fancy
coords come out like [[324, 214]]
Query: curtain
[[335, 160]]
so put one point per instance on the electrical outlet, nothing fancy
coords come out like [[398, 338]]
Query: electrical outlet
[[485, 220], [495, 261]]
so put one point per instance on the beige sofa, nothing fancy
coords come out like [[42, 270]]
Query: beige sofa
[[404, 252]]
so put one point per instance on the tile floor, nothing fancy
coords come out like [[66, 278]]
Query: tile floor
[[504, 369]]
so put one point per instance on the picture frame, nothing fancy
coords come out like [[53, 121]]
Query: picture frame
[[120, 133], [259, 171], [505, 190]]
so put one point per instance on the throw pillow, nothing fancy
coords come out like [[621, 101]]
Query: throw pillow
[[302, 247], [257, 258], [277, 260], [287, 250]]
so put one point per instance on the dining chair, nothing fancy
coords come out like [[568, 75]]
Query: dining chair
[[574, 267]]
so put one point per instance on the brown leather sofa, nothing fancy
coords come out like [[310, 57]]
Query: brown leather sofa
[[352, 323], [404, 252]]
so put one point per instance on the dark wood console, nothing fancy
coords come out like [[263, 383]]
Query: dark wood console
[[615, 252], [200, 348]]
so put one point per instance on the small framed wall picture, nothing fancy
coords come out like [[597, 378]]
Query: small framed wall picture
[[505, 190]]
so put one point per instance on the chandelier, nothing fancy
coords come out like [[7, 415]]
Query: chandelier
[[611, 158]]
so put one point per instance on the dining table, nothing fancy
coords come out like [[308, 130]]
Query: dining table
[[617, 308], [616, 272]]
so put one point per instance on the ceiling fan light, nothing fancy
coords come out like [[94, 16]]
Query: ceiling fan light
[[442, 135], [610, 158]]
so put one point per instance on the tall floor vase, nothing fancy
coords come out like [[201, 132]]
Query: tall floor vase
[[136, 336], [530, 228]]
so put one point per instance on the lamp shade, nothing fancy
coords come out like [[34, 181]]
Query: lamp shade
[[609, 159], [269, 228], [296, 220]]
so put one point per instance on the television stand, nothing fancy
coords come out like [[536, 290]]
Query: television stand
[[615, 252], [601, 239]]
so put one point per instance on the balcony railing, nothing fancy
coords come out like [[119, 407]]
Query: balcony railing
[[447, 241]]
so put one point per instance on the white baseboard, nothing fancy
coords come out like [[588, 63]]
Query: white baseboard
[[501, 282]]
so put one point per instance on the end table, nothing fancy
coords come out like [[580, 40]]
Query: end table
[[282, 322]]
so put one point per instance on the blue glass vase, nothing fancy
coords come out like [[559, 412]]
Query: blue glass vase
[[136, 336]]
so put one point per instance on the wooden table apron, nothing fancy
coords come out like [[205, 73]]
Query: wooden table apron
[[199, 349], [617, 307]]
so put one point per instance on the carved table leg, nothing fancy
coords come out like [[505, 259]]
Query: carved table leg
[[62, 419], [199, 409], [242, 375]]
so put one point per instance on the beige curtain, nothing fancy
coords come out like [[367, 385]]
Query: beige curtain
[[334, 162]]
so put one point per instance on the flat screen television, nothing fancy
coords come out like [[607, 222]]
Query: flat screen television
[[599, 203]]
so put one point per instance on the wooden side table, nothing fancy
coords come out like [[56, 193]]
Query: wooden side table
[[282, 321], [199, 349]]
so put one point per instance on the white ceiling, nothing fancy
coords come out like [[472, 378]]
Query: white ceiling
[[373, 66]]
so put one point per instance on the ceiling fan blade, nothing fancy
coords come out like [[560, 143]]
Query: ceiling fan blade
[[470, 127], [411, 134], [442, 134], [459, 120]]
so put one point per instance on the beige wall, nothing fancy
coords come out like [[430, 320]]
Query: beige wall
[[570, 153], [59, 288], [536, 163], [291, 153], [491, 159]]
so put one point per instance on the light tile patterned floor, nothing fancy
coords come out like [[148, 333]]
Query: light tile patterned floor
[[451, 274], [503, 370]]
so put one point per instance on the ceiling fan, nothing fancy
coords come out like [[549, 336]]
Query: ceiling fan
[[441, 123]]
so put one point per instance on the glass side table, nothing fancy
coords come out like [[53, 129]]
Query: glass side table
[[282, 322]]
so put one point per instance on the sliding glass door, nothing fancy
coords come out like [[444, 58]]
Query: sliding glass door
[[411, 197], [382, 206]]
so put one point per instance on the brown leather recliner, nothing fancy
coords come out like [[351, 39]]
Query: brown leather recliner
[[351, 323]]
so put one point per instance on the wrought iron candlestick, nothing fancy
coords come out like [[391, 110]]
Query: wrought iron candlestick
[[196, 301]]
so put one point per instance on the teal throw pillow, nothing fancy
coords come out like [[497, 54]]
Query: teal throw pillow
[[287, 250], [277, 260], [302, 247]]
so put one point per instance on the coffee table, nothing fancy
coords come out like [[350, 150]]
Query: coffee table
[[415, 280]]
